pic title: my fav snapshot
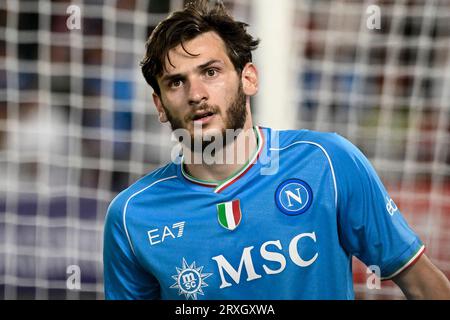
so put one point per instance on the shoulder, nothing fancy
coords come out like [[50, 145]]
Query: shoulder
[[337, 146], [152, 179], [342, 155], [331, 143]]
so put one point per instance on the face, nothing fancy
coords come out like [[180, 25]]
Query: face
[[202, 90]]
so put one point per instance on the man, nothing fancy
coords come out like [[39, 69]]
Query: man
[[283, 223]]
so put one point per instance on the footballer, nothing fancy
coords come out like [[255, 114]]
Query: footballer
[[283, 222]]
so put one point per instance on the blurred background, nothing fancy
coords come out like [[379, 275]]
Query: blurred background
[[77, 122]]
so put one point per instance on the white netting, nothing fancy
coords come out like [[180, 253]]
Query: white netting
[[77, 123]]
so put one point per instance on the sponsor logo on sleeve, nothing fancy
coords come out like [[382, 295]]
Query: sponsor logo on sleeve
[[156, 236], [391, 207]]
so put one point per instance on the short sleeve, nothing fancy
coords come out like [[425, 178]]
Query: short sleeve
[[371, 226], [124, 277]]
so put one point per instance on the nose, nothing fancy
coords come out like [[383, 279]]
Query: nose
[[197, 92]]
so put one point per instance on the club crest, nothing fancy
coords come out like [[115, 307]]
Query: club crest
[[293, 197]]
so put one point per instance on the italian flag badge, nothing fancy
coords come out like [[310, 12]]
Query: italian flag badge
[[229, 214]]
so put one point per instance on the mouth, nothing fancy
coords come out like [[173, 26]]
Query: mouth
[[202, 117]]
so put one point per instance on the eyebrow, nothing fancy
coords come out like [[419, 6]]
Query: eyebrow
[[174, 76]]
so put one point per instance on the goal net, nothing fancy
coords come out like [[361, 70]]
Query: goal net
[[77, 122]]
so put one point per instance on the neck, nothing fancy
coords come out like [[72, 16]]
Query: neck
[[226, 161]]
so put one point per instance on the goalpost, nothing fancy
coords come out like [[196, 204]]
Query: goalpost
[[77, 122]]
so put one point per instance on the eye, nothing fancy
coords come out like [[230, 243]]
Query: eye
[[176, 83], [211, 72]]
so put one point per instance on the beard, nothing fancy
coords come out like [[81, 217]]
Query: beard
[[235, 117]]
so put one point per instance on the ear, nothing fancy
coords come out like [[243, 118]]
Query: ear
[[249, 79], [159, 107]]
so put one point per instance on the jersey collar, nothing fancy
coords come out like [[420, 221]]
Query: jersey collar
[[221, 185]]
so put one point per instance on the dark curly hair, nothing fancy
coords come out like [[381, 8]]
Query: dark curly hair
[[196, 18]]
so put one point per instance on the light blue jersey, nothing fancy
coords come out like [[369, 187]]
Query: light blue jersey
[[284, 227]]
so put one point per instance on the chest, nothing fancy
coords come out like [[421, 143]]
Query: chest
[[271, 224]]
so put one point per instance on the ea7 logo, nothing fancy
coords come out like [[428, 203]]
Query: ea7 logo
[[154, 235]]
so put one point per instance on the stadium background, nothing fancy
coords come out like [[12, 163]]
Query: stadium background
[[77, 123]]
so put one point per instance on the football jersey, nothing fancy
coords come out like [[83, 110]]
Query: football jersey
[[285, 226]]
